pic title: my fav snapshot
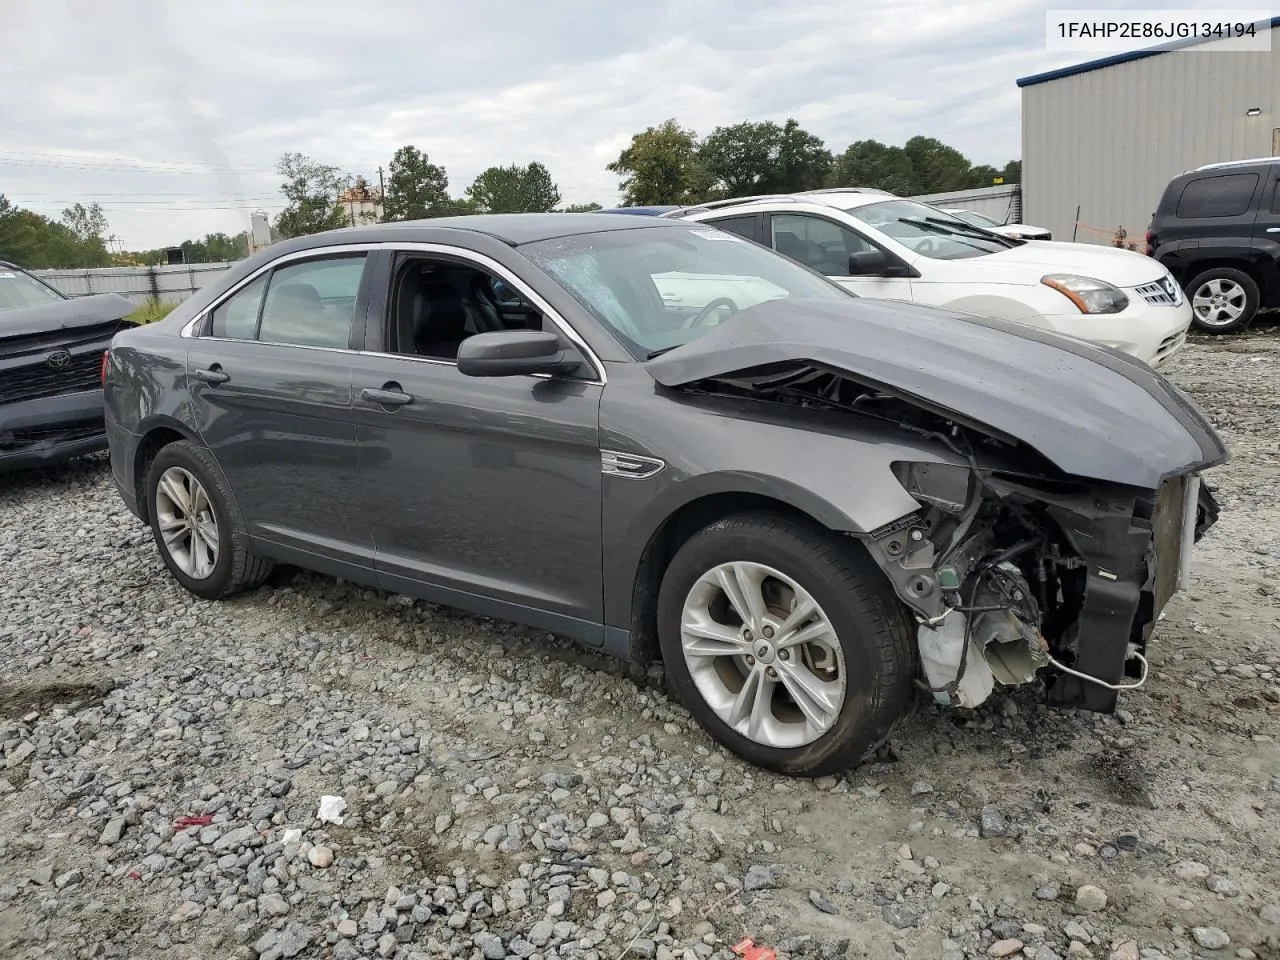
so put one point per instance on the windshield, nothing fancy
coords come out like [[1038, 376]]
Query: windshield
[[977, 219], [658, 288], [17, 290], [928, 231]]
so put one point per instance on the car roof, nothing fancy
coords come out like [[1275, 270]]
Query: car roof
[[510, 228], [841, 198]]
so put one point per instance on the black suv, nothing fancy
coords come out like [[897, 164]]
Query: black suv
[[1217, 230]]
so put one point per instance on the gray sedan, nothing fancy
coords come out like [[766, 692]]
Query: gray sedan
[[672, 444]]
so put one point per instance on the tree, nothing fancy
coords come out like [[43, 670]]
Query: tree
[[742, 159], [803, 161], [661, 166], [311, 193], [416, 187], [514, 189], [936, 166], [580, 208], [1013, 171], [872, 164], [87, 223], [37, 242], [983, 175]]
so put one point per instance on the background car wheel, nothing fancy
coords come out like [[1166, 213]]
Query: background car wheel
[[785, 643], [196, 524], [1223, 299]]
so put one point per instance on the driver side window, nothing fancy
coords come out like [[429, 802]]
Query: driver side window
[[821, 245]]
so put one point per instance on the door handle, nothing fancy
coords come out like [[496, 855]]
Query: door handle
[[213, 375], [386, 397], [1273, 229]]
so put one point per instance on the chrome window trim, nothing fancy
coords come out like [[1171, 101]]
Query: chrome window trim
[[479, 259]]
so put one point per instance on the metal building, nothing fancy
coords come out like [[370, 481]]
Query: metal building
[[1107, 136]]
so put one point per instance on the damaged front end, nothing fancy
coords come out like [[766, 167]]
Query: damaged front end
[[1011, 573], [1013, 568]]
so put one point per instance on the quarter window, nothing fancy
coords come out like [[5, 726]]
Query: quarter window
[[1226, 196], [237, 318], [742, 226], [817, 243], [312, 304]]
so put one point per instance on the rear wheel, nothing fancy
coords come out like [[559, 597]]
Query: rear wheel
[[785, 643], [197, 526], [1223, 299]]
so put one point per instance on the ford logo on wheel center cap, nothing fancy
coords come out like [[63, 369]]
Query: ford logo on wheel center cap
[[58, 360]]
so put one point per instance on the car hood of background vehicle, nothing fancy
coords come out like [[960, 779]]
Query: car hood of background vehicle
[[1092, 412], [1122, 268], [65, 315]]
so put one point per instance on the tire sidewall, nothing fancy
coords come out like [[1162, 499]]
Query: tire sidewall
[[1251, 297], [858, 726], [218, 583]]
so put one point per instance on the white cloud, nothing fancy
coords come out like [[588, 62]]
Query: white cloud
[[195, 102]]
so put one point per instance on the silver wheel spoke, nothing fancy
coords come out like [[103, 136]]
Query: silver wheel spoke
[[752, 704], [817, 632], [209, 533], [743, 590], [805, 608], [810, 694], [706, 638], [173, 488]]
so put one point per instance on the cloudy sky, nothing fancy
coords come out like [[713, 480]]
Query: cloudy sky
[[171, 115]]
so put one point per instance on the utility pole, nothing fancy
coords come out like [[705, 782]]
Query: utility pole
[[382, 193]]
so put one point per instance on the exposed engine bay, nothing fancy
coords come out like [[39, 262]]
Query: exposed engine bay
[[1014, 570]]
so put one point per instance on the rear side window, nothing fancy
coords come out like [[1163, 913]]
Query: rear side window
[[742, 226], [237, 318], [1226, 196]]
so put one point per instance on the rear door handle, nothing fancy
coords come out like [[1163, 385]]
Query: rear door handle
[[388, 396], [1273, 229], [213, 375]]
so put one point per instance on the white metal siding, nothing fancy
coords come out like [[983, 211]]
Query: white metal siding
[[1111, 139], [170, 284]]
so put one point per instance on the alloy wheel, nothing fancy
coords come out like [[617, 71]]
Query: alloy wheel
[[187, 522], [763, 654], [1219, 302]]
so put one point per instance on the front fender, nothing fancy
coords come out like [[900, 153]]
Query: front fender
[[838, 471]]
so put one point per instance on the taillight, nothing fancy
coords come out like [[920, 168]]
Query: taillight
[[106, 358], [1150, 242]]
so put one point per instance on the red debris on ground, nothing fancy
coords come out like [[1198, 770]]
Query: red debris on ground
[[747, 950], [201, 821], [134, 875]]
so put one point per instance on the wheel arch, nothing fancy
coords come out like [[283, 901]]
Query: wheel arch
[[156, 435], [671, 534], [1247, 266]]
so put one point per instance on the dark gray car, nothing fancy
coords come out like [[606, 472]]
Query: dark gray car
[[670, 443]]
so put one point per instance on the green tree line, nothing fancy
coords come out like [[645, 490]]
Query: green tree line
[[665, 164]]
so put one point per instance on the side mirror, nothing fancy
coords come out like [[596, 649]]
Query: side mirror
[[870, 263], [511, 353]]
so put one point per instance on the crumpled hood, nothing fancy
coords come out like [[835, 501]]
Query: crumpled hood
[[65, 315], [1092, 412]]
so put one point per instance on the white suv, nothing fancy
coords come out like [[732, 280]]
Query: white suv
[[886, 247]]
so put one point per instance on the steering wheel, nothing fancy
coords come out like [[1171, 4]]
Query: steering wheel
[[703, 315]]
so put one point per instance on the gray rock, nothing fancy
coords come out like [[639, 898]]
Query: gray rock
[[1211, 938], [761, 877], [272, 905], [1222, 885], [113, 831], [1049, 891], [289, 942], [1091, 898], [821, 903], [900, 915], [1270, 913], [991, 822], [491, 947], [541, 932]]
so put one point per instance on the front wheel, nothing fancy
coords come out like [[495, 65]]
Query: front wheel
[[786, 643], [1223, 300]]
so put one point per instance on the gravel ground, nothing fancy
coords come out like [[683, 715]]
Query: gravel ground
[[162, 762]]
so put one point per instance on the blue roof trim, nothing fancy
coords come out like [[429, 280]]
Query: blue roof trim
[[1121, 58]]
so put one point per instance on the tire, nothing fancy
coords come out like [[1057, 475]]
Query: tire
[[872, 629], [234, 565], [1221, 292]]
